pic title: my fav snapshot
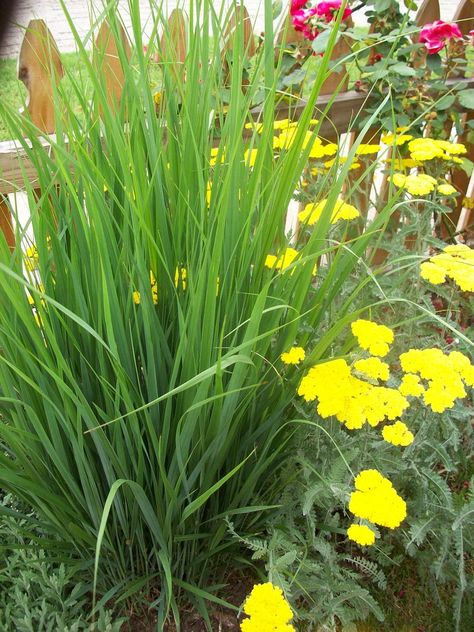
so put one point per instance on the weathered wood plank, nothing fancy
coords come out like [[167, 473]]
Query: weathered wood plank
[[40, 68], [106, 59]]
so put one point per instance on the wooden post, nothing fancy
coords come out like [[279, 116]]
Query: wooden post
[[107, 61]]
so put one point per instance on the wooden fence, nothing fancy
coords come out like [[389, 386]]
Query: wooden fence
[[40, 67]]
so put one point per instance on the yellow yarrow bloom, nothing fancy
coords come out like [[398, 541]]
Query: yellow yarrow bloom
[[351, 400], [250, 156], [376, 339], [455, 262], [362, 534], [214, 154], [446, 189], [445, 374], [373, 368], [283, 261], [180, 277], [421, 184], [425, 149], [397, 139], [365, 149], [294, 356], [398, 434], [268, 610], [340, 161], [376, 500], [312, 212], [411, 385]]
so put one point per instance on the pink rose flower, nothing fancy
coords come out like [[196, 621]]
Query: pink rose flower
[[329, 8], [296, 5], [301, 22], [471, 33], [434, 36]]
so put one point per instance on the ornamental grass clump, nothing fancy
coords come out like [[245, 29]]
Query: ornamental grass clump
[[139, 401]]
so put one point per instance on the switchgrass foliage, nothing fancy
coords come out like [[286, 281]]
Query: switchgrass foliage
[[134, 430]]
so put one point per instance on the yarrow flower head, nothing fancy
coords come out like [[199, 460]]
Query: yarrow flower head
[[362, 534], [373, 368], [376, 500], [398, 434], [312, 212], [396, 138], [435, 35], [445, 374], [421, 184], [425, 149], [283, 261], [455, 262], [351, 400], [268, 610], [376, 339], [294, 356]]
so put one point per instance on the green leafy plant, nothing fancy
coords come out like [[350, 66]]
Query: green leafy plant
[[38, 592]]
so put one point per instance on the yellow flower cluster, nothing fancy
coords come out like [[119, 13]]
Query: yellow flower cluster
[[312, 212], [400, 164], [351, 400], [399, 138], [364, 149], [215, 151], [455, 262], [373, 368], [446, 189], [425, 149], [294, 356], [376, 339], [411, 386], [376, 500], [287, 137], [179, 281], [398, 434], [283, 261], [421, 184], [268, 610], [31, 258], [446, 375], [340, 161], [362, 534]]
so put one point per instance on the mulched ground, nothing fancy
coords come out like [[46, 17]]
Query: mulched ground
[[222, 620]]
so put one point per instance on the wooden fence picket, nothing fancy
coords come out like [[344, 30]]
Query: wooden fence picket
[[40, 69], [173, 45], [106, 59], [240, 19]]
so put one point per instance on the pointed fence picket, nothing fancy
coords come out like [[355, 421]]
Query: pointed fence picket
[[40, 68]]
